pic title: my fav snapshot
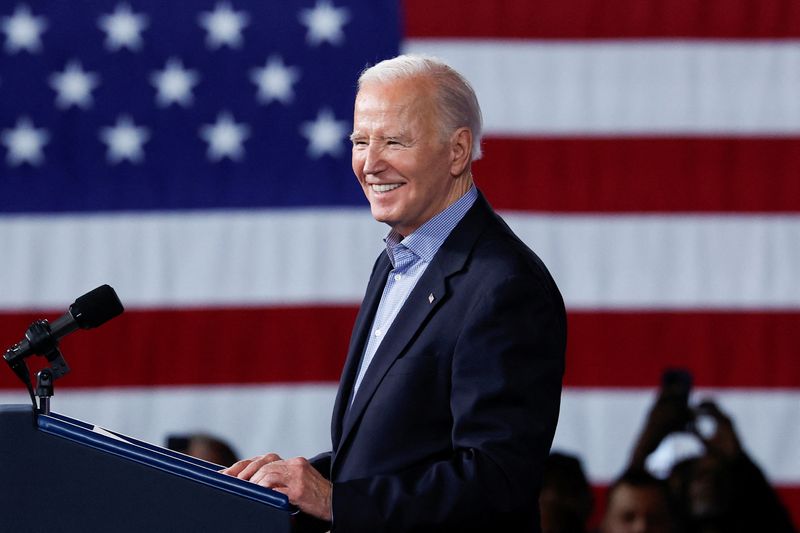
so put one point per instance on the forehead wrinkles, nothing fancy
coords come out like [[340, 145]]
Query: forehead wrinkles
[[395, 106], [377, 112]]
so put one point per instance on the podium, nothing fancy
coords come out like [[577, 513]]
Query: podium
[[64, 475]]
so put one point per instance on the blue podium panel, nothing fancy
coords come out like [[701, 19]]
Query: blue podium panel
[[60, 476]]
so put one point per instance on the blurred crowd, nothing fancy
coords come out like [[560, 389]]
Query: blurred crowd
[[720, 490]]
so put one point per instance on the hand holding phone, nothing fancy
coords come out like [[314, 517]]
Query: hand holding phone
[[676, 386]]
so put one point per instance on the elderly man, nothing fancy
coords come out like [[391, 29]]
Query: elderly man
[[449, 397]]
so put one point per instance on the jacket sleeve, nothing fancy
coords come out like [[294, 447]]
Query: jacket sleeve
[[322, 464]]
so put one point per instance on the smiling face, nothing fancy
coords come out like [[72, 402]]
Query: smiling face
[[408, 169]]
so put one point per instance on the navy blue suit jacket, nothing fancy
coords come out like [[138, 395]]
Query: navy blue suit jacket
[[455, 416]]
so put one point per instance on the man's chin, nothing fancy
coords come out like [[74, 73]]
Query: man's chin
[[382, 215]]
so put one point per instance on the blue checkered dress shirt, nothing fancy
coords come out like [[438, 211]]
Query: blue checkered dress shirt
[[410, 257]]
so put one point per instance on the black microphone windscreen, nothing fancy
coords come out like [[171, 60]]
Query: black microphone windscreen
[[96, 307]]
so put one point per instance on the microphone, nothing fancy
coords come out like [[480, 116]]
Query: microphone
[[93, 309]]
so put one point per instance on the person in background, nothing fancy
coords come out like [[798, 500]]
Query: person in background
[[720, 491], [205, 447], [450, 394], [566, 500], [637, 502]]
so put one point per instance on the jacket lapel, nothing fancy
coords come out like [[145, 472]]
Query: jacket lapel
[[414, 312], [366, 313]]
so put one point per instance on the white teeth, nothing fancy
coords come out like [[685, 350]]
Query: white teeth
[[385, 187]]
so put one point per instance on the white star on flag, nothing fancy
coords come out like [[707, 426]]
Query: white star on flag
[[124, 140], [174, 83], [225, 138], [74, 86], [224, 26], [24, 143], [324, 22], [123, 28], [324, 134], [275, 80], [23, 30]]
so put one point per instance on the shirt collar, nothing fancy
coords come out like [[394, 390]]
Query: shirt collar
[[429, 237]]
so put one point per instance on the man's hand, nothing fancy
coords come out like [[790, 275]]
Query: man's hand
[[296, 478], [244, 469]]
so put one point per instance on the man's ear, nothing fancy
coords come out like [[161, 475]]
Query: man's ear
[[460, 151]]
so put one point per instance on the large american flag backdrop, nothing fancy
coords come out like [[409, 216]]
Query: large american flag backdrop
[[194, 155]]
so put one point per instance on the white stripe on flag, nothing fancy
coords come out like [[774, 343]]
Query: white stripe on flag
[[668, 262], [188, 259], [629, 87], [268, 258], [288, 419], [600, 425]]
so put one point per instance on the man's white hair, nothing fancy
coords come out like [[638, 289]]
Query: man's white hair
[[458, 104]]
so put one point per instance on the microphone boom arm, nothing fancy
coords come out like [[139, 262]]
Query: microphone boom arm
[[40, 341], [41, 338]]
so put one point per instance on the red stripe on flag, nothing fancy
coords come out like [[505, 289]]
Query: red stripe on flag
[[642, 174], [200, 347], [721, 349], [586, 19], [291, 345], [790, 496]]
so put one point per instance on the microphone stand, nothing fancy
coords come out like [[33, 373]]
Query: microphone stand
[[46, 377], [38, 335], [44, 389], [93, 309]]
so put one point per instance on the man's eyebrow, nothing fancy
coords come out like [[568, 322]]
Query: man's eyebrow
[[395, 136]]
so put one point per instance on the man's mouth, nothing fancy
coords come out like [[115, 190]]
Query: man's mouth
[[385, 187]]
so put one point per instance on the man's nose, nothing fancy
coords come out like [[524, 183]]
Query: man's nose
[[373, 159]]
